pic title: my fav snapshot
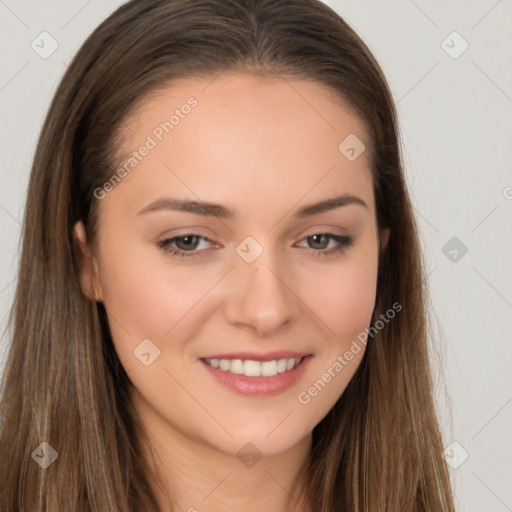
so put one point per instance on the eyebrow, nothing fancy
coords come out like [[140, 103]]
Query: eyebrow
[[222, 212]]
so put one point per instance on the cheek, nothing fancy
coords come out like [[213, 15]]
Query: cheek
[[344, 301], [355, 301], [144, 299], [343, 296], [139, 300]]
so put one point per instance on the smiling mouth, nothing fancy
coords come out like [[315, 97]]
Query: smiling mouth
[[253, 378], [251, 368]]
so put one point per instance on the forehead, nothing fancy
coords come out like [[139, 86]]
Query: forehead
[[241, 134], [247, 98]]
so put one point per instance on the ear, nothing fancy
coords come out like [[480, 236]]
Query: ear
[[89, 276], [384, 238]]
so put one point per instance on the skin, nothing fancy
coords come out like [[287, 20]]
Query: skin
[[265, 149]]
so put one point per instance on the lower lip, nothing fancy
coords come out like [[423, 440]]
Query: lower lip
[[259, 386]]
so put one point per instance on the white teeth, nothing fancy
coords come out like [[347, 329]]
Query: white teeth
[[269, 368], [281, 365], [237, 366], [251, 368]]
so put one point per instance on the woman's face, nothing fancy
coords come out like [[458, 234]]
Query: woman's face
[[274, 280]]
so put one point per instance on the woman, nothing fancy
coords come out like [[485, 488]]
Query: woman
[[220, 301]]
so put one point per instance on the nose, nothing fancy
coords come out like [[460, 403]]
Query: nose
[[262, 299]]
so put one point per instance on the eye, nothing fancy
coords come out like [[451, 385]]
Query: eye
[[179, 246], [189, 245], [321, 239]]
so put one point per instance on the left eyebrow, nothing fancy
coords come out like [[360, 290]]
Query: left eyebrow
[[330, 204], [222, 212]]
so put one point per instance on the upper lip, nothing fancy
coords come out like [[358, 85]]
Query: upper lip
[[253, 356]]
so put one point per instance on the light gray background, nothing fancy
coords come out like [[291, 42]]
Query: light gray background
[[456, 126]]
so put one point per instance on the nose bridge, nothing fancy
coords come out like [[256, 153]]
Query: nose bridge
[[262, 298]]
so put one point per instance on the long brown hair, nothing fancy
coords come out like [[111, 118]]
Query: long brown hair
[[379, 448]]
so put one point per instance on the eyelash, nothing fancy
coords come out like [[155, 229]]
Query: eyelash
[[344, 243]]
